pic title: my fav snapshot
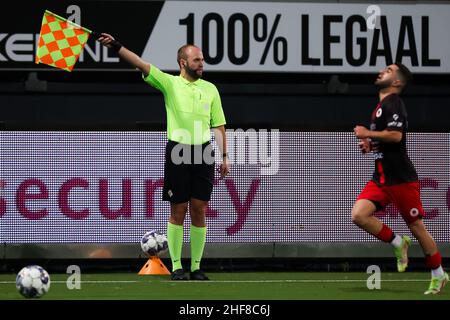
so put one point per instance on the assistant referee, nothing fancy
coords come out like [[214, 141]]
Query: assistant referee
[[193, 107]]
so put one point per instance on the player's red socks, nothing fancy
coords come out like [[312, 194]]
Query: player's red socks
[[385, 234], [434, 261]]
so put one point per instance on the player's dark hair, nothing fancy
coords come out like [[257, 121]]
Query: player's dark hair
[[404, 74]]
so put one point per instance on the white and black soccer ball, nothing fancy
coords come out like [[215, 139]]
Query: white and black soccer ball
[[148, 244], [154, 243], [33, 281], [161, 239]]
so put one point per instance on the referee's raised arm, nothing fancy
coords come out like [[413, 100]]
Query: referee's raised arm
[[127, 55]]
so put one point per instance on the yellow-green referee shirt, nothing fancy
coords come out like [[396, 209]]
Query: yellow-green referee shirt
[[193, 108]]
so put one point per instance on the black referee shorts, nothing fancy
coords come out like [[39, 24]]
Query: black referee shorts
[[188, 172]]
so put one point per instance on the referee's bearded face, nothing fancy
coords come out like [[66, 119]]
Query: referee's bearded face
[[194, 62]]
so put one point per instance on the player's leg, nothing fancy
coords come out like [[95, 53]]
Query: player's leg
[[433, 259], [176, 190], [362, 216], [198, 236], [407, 199], [201, 189], [175, 238], [370, 200]]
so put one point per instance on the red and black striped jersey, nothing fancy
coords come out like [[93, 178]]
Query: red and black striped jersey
[[392, 164]]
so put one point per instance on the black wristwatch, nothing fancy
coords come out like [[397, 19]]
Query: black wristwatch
[[225, 155]]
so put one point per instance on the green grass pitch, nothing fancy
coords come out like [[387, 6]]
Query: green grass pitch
[[236, 286]]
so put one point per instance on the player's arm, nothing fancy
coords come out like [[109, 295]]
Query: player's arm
[[394, 136], [125, 54]]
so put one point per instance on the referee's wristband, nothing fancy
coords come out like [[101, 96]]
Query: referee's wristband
[[115, 45]]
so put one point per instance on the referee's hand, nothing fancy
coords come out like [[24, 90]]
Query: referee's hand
[[105, 39], [224, 168]]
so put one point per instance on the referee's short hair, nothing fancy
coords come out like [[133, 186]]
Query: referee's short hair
[[181, 54]]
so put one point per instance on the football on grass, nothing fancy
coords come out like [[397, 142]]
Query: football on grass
[[33, 281]]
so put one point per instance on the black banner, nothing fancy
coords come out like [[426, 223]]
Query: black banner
[[129, 22]]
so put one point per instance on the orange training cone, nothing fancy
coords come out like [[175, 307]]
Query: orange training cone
[[154, 265]]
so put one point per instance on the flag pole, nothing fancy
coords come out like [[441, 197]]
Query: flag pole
[[68, 21]]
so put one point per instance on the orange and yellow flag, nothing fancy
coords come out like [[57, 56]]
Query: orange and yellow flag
[[60, 41]]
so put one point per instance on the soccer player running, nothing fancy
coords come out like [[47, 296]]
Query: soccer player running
[[193, 107], [394, 178]]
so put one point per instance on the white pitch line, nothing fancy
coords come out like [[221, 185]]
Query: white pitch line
[[237, 281]]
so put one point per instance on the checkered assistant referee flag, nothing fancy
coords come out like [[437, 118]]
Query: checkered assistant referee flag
[[60, 41]]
